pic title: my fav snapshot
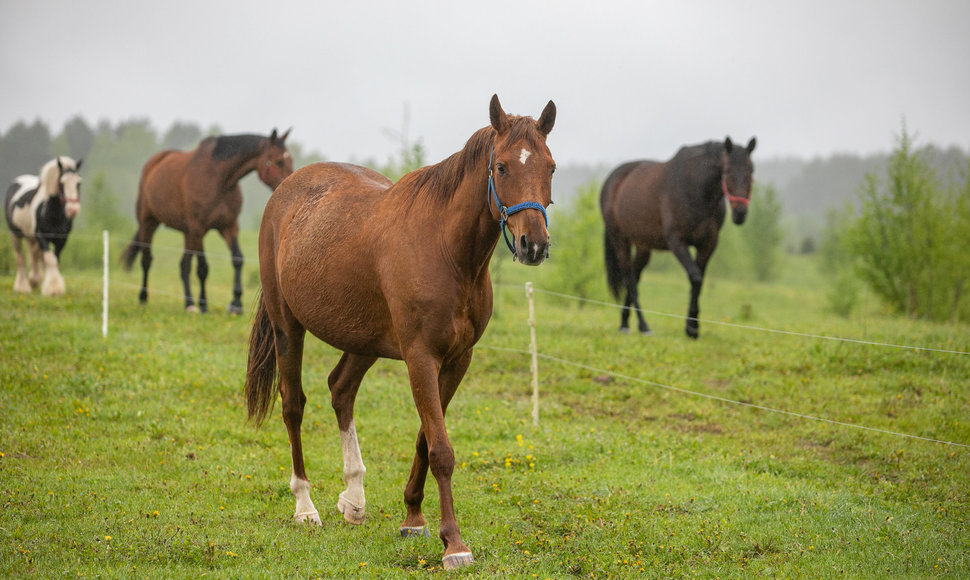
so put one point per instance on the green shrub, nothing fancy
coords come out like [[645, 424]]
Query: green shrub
[[909, 237]]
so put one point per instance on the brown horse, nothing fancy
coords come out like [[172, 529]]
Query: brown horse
[[395, 271], [197, 191], [648, 205]]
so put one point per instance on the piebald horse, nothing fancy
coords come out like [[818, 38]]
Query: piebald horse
[[399, 271], [197, 191], [41, 209]]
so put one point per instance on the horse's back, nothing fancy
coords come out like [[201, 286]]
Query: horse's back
[[326, 183], [19, 206], [631, 199], [160, 194]]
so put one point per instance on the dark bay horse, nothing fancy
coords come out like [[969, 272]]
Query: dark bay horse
[[197, 191], [41, 209], [649, 205], [395, 271]]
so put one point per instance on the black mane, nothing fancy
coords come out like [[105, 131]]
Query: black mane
[[229, 146]]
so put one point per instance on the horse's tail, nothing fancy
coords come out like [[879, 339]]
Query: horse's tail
[[131, 252], [262, 380], [614, 275]]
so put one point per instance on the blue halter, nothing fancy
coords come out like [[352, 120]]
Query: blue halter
[[505, 212]]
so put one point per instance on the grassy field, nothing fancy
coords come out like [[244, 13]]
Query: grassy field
[[131, 456]]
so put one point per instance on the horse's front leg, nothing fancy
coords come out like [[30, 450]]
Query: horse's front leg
[[193, 247], [36, 274], [231, 235], [53, 284], [344, 382], [432, 391], [696, 276], [692, 327]]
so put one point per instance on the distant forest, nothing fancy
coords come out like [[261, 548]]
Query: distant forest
[[114, 154]]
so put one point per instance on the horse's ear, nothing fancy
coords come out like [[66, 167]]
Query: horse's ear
[[751, 144], [77, 166], [60, 168], [728, 145], [285, 135], [547, 119], [500, 121]]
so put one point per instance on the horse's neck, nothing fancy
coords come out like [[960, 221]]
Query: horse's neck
[[469, 222], [705, 177], [238, 167]]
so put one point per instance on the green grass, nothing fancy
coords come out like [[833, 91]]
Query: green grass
[[131, 456]]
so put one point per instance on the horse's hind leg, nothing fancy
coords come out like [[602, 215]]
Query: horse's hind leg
[[144, 239], [633, 294], [20, 283], [289, 361], [435, 451], [623, 251], [344, 382]]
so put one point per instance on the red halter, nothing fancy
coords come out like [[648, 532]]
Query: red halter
[[732, 198]]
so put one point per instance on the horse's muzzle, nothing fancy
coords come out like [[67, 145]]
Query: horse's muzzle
[[71, 209], [531, 252], [739, 213]]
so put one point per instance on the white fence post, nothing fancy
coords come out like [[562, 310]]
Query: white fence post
[[533, 349], [104, 304]]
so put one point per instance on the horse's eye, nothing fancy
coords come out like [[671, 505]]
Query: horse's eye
[[501, 168], [553, 170]]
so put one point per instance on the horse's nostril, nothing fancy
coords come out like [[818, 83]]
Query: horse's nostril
[[523, 243]]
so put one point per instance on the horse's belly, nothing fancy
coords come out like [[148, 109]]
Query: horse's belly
[[336, 298]]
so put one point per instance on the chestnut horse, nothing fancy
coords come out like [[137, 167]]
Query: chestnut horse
[[400, 271], [197, 191], [649, 205]]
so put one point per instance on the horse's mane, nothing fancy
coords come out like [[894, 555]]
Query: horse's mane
[[438, 183], [49, 174], [701, 149], [229, 146]]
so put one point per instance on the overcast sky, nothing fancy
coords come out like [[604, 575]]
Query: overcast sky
[[630, 79]]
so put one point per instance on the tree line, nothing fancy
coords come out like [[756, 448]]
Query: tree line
[[897, 224]]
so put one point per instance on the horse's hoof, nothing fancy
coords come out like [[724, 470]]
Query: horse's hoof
[[692, 332], [193, 309], [646, 333], [624, 330], [452, 561], [353, 513], [234, 309], [312, 518], [421, 532]]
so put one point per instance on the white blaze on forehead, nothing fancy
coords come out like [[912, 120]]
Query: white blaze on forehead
[[524, 155]]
